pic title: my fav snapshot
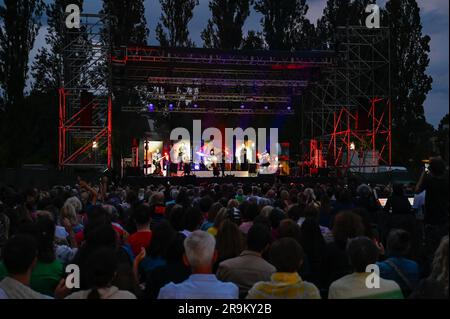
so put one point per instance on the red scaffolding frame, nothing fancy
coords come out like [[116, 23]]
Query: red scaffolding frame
[[68, 128], [376, 138]]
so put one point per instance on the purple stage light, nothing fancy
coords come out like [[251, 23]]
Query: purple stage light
[[195, 106], [242, 106], [170, 106], [289, 108], [151, 107], [266, 107]]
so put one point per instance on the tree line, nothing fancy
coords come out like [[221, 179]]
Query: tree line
[[28, 120]]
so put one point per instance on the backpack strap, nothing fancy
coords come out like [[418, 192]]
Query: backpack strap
[[400, 273]]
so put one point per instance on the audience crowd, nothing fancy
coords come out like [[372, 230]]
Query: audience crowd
[[226, 241]]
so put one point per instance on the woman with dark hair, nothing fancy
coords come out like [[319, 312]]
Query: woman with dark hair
[[102, 267], [229, 241], [335, 263], [314, 245], [173, 271], [163, 235], [248, 216], [176, 217], [275, 217], [212, 213]]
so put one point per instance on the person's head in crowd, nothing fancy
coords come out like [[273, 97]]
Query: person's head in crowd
[[271, 194], [311, 238], [222, 215], [398, 190], [440, 265], [436, 166], [31, 197], [258, 238], [45, 228], [233, 203], [174, 193], [286, 255], [398, 243], [96, 216], [175, 251], [193, 219], [289, 228], [347, 225], [113, 213], [284, 195], [276, 216], [200, 253], [250, 213], [163, 235], [364, 191], [20, 256], [205, 204], [101, 236], [312, 212], [229, 240], [295, 212], [85, 198], [261, 219], [132, 197], [142, 216], [361, 252], [68, 212], [101, 268], [75, 202], [266, 210], [310, 196], [213, 210], [176, 217], [157, 199], [183, 198]]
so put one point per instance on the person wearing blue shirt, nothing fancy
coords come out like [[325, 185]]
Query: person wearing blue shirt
[[397, 267], [200, 255]]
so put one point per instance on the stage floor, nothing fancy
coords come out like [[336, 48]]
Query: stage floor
[[142, 181]]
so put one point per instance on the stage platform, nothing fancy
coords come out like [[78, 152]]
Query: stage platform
[[142, 181]]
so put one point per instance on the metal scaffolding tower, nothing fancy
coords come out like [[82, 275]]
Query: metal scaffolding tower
[[85, 125], [349, 109]]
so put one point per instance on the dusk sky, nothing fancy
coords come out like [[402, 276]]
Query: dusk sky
[[435, 19]]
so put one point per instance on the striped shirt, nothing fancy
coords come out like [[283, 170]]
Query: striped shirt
[[284, 286]]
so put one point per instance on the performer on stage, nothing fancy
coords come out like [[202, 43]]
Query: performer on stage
[[243, 155], [157, 162]]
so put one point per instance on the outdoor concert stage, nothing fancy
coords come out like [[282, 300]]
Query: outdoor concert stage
[[331, 107]]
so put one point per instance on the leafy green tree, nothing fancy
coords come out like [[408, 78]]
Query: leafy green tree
[[172, 30], [224, 29], [19, 26], [285, 24], [409, 79]]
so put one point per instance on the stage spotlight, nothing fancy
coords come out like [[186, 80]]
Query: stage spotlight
[[242, 106], [196, 167], [151, 107], [170, 106], [266, 107], [195, 106], [289, 108], [94, 145], [352, 146]]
